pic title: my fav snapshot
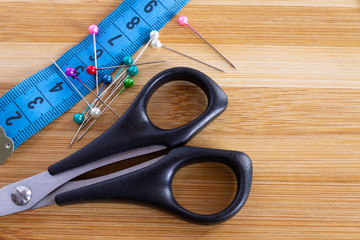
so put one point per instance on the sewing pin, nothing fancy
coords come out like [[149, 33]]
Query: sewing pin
[[128, 61], [156, 43], [154, 35], [93, 29], [107, 80], [79, 117], [95, 112], [183, 21], [128, 83], [70, 72], [92, 68]]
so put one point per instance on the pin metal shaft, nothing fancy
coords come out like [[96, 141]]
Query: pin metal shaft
[[193, 58], [211, 46], [71, 83], [97, 96], [135, 64]]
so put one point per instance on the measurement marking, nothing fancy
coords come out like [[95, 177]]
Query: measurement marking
[[22, 112], [84, 91], [141, 17], [81, 61], [44, 96], [163, 5], [66, 82], [106, 50], [123, 33], [84, 65]]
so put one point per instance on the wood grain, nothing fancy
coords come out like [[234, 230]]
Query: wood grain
[[293, 108]]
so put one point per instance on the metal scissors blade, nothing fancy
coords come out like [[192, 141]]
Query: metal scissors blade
[[41, 185]]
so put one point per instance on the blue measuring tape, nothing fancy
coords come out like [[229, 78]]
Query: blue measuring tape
[[41, 98]]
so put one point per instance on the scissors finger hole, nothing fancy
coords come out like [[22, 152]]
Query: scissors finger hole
[[175, 104], [204, 188]]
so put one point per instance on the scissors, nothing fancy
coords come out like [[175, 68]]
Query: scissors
[[149, 182]]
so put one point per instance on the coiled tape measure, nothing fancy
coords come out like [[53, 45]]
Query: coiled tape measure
[[41, 98]]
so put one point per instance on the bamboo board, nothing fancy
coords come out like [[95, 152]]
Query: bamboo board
[[293, 108]]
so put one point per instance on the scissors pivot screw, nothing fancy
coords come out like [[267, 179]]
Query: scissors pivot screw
[[21, 195]]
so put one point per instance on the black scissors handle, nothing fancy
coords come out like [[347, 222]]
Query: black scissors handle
[[135, 130], [152, 184]]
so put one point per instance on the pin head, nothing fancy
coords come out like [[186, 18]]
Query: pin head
[[107, 79], [183, 20], [156, 44], [128, 82], [93, 29], [91, 69], [154, 35], [133, 70], [95, 112], [69, 71], [78, 118], [128, 60]]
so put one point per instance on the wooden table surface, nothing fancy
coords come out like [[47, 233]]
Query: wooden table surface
[[293, 108]]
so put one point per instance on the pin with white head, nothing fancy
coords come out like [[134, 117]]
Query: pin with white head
[[183, 21], [156, 43], [79, 117], [154, 35], [128, 83]]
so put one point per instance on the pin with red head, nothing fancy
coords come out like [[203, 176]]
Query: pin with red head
[[91, 69]]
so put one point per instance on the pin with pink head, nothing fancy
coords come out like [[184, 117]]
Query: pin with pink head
[[93, 29], [183, 20]]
